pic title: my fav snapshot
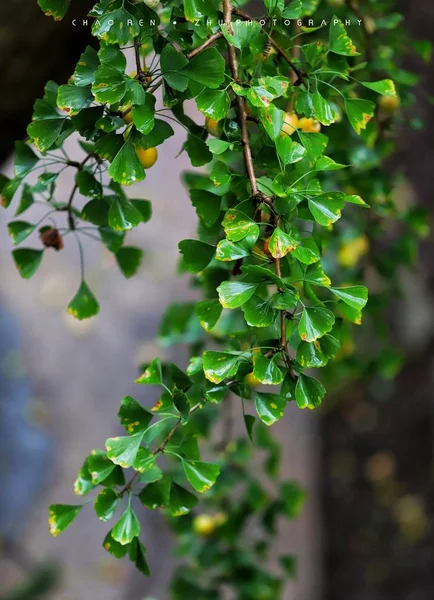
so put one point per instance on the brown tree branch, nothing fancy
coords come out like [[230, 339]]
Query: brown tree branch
[[213, 38], [140, 74], [241, 109]]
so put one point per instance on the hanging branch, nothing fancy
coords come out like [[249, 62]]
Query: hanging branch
[[241, 109]]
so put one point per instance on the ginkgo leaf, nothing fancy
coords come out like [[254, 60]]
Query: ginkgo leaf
[[315, 322], [233, 294], [201, 475], [269, 407]]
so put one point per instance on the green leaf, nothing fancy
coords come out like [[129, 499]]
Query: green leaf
[[315, 322], [88, 185], [109, 85], [182, 404], [316, 276], [112, 240], [27, 261], [357, 200], [238, 225], [281, 243], [359, 112], [324, 163], [123, 215], [83, 483], [61, 516], [133, 416], [307, 252], [260, 274], [137, 553], [84, 304], [116, 27], [26, 200], [218, 146], [249, 421], [96, 212], [19, 231], [266, 371], [144, 461], [220, 174], [385, 87], [54, 8], [173, 64], [201, 475], [45, 132], [288, 563], [294, 10], [309, 392], [156, 494], [227, 251], [233, 294], [127, 528], [113, 547], [355, 296], [289, 151], [73, 99], [196, 255], [153, 374], [208, 313], [272, 119], [243, 33], [100, 467], [340, 43], [181, 501], [318, 353], [269, 407], [126, 168], [259, 312], [218, 366], [105, 504], [129, 260], [323, 112], [108, 146], [123, 450], [207, 206], [293, 498], [194, 9], [286, 299], [25, 159], [144, 115], [213, 104], [315, 144], [326, 208], [144, 207], [84, 73], [207, 68]]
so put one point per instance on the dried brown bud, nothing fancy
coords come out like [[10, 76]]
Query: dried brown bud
[[51, 238]]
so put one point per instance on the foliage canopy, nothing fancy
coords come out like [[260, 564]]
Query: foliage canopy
[[302, 117]]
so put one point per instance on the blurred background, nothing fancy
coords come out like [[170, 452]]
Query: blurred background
[[367, 531]]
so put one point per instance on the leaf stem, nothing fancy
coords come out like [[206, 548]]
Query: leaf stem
[[158, 450]]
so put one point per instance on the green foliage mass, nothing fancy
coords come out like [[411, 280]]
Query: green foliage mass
[[285, 241]]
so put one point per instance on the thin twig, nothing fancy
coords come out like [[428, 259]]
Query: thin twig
[[140, 74], [80, 167], [213, 38], [241, 110], [158, 450]]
